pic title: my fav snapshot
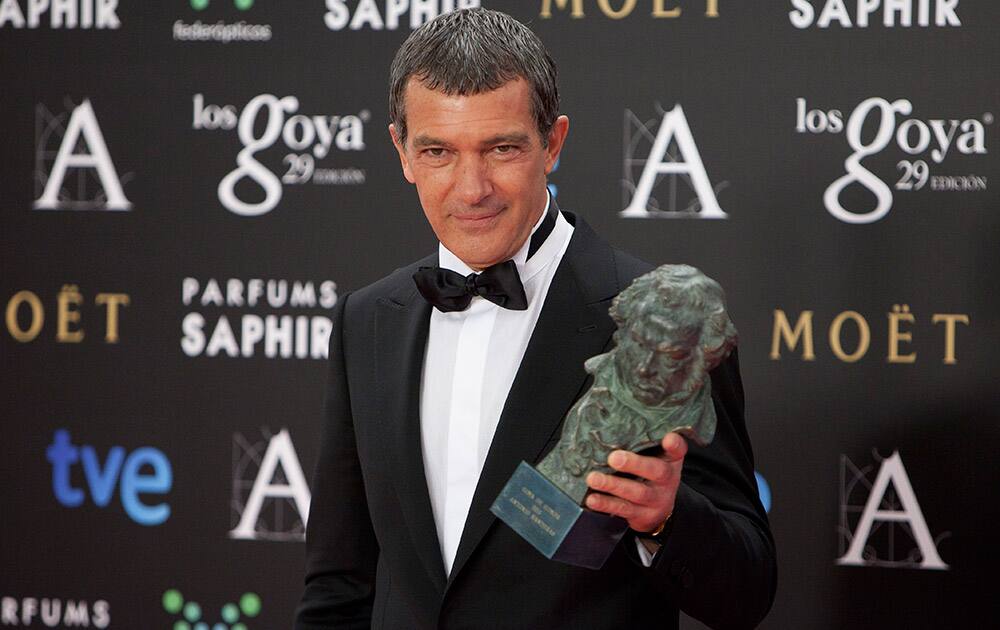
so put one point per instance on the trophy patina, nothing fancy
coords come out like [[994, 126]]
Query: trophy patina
[[672, 330]]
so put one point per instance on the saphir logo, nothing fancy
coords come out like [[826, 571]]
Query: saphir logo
[[54, 612], [887, 13], [64, 14], [919, 140], [310, 138], [663, 151], [233, 615], [73, 167], [881, 523], [277, 318], [358, 15], [220, 31], [118, 468], [270, 495]]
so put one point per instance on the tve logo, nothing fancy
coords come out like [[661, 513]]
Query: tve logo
[[118, 468]]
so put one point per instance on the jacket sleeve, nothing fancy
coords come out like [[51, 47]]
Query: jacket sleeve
[[341, 549], [718, 561]]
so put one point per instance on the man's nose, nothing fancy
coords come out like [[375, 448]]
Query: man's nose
[[473, 182]]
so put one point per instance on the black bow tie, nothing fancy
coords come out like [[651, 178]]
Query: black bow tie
[[500, 283], [451, 291]]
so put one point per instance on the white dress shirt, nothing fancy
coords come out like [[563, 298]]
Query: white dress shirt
[[471, 360]]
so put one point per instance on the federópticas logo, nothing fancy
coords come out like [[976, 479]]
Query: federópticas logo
[[191, 616], [212, 25]]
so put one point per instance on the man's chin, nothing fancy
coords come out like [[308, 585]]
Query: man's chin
[[475, 258], [479, 252]]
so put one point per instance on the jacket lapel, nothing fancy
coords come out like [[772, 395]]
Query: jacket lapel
[[401, 327], [572, 327]]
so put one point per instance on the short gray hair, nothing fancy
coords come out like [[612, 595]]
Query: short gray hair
[[471, 51]]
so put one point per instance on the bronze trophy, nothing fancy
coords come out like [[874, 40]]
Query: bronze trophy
[[673, 329]]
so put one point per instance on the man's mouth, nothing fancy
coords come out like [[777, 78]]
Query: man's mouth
[[477, 218]]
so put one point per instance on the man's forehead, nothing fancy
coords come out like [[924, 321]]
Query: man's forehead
[[509, 105], [427, 139]]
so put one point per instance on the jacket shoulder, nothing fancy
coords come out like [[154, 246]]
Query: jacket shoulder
[[628, 267], [396, 286]]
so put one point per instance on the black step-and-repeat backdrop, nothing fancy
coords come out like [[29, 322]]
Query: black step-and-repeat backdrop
[[187, 187]]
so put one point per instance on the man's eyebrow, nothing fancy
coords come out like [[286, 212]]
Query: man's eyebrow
[[428, 141], [507, 138]]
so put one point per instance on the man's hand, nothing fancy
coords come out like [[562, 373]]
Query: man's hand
[[647, 501]]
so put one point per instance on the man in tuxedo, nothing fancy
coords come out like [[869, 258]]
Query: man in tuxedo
[[447, 373]]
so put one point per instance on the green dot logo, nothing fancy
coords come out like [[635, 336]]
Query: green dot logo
[[190, 612], [201, 5]]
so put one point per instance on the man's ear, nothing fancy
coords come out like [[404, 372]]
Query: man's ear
[[403, 160], [557, 136]]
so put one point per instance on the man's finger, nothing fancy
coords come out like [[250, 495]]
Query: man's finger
[[674, 447], [612, 505], [654, 469], [628, 489]]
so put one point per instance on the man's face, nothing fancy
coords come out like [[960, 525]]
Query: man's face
[[653, 357], [479, 166]]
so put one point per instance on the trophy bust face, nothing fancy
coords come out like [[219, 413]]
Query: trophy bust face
[[653, 357]]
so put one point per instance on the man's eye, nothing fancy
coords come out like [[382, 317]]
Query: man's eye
[[504, 149], [434, 152]]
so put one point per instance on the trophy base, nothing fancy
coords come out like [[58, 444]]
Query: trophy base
[[554, 523]]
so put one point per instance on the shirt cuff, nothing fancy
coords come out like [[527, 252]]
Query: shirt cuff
[[645, 556]]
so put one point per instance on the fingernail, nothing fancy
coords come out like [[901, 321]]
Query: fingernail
[[617, 459]]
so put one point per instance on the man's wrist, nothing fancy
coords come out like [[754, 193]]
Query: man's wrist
[[657, 536]]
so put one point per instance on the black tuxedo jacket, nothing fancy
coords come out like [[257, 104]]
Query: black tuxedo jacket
[[373, 558]]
